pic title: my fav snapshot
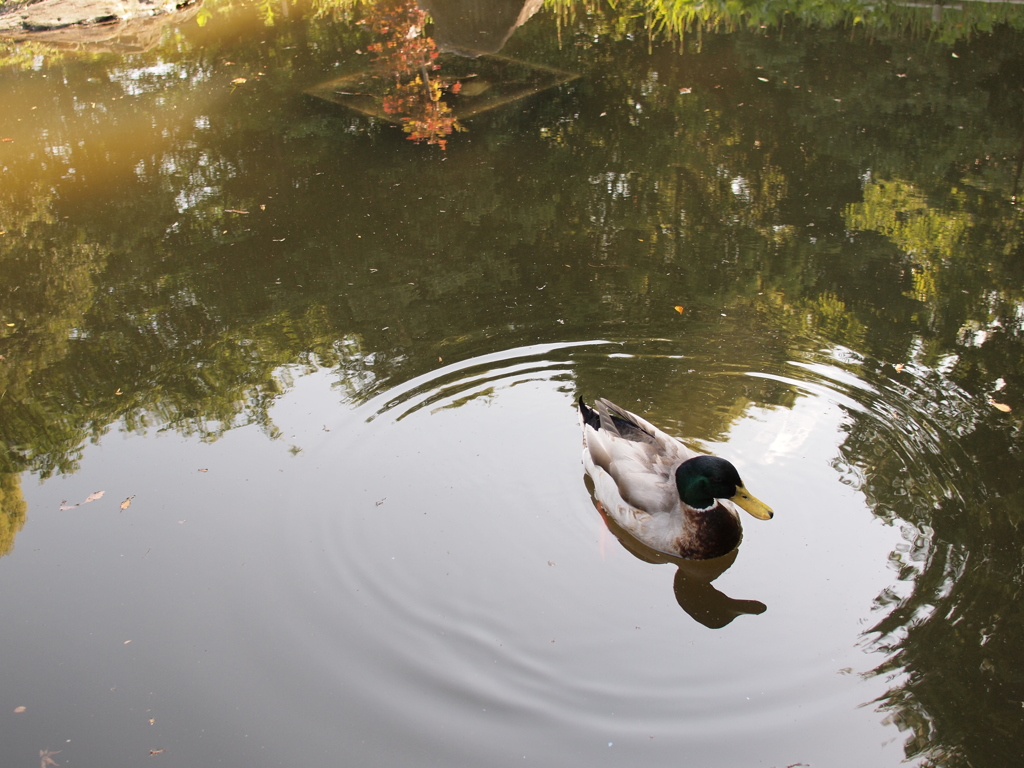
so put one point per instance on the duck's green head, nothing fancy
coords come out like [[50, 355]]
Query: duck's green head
[[703, 479]]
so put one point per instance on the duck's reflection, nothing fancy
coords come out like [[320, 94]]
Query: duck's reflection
[[692, 584]]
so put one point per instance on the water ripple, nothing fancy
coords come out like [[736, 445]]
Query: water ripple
[[462, 576]]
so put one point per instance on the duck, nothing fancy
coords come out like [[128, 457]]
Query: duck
[[672, 499]]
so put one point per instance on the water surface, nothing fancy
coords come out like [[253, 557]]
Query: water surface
[[333, 370]]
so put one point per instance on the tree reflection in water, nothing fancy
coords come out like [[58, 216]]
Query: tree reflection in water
[[952, 625]]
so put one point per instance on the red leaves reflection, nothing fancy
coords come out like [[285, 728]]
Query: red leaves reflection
[[409, 60]]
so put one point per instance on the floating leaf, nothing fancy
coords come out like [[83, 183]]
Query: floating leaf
[[898, 367], [65, 506], [999, 406], [46, 758], [127, 502], [156, 752], [678, 309], [19, 710], [238, 81]]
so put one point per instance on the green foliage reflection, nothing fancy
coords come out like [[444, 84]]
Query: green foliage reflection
[[12, 511]]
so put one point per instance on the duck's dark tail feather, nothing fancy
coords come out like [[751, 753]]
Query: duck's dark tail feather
[[614, 420], [589, 416]]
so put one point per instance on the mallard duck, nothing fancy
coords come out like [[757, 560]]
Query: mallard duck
[[670, 498]]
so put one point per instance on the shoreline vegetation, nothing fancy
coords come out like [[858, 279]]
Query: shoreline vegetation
[[669, 19]]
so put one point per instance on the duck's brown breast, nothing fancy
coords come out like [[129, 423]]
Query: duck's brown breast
[[709, 533]]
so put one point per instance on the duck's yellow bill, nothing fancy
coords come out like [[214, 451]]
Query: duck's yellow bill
[[754, 506]]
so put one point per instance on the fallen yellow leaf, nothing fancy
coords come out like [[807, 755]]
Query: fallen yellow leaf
[[127, 502], [19, 710], [999, 406], [238, 81], [678, 309]]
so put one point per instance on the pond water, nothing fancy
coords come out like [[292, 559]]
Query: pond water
[[324, 377]]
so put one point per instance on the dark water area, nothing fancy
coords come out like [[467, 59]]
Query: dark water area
[[324, 376]]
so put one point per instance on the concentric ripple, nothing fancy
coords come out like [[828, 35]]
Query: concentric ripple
[[456, 384]]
